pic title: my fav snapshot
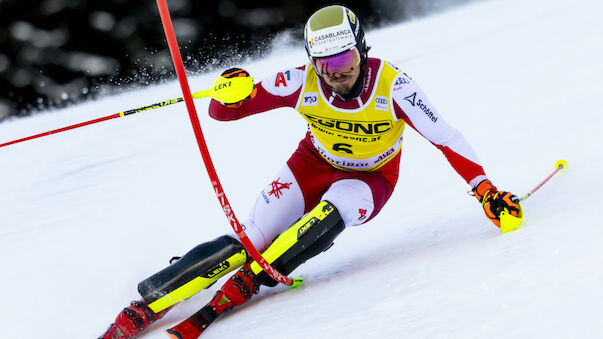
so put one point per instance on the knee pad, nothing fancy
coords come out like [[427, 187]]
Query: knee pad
[[354, 200], [312, 234], [195, 271]]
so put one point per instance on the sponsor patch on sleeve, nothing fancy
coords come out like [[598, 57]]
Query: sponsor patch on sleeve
[[284, 83], [400, 81], [280, 79]]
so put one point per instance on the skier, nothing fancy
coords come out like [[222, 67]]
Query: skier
[[341, 175]]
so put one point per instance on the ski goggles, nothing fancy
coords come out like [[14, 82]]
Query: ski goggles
[[342, 63]]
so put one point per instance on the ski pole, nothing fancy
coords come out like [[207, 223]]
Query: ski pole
[[510, 223], [560, 166], [223, 89], [94, 121], [211, 171]]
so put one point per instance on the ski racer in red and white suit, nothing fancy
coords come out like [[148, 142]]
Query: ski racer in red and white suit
[[341, 175], [309, 177]]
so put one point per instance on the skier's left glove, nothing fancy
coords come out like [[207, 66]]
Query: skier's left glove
[[238, 72], [495, 202]]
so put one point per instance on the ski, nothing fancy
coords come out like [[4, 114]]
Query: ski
[[192, 327]]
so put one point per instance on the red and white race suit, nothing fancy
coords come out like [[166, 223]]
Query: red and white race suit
[[351, 153]]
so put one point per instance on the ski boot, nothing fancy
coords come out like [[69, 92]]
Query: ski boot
[[132, 321], [236, 291]]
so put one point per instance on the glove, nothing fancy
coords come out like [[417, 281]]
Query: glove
[[495, 202], [233, 73]]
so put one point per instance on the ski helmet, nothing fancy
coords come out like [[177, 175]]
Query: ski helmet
[[335, 43], [333, 30]]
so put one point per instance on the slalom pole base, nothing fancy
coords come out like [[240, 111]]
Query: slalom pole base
[[297, 282]]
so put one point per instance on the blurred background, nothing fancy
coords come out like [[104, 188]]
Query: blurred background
[[58, 52]]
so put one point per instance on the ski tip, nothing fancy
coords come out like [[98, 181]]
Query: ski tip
[[561, 165]]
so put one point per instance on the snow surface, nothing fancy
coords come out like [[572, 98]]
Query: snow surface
[[86, 214]]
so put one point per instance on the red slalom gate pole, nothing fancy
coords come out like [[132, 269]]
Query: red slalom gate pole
[[211, 171]]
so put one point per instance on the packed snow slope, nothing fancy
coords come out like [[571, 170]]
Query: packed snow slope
[[86, 214]]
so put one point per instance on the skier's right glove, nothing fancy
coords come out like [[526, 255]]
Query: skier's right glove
[[495, 202], [233, 73]]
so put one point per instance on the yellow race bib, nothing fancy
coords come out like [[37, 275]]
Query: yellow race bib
[[360, 139]]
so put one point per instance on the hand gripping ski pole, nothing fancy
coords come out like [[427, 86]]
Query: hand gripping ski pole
[[510, 223], [188, 99], [223, 89]]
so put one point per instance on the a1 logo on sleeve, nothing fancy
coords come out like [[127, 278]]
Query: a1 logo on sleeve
[[282, 78], [310, 99], [381, 103]]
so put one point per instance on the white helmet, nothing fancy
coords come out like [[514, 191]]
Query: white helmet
[[333, 30]]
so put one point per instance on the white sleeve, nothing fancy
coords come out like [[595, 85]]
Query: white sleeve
[[284, 83], [411, 104]]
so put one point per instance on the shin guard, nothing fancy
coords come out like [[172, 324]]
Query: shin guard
[[309, 236], [195, 271]]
